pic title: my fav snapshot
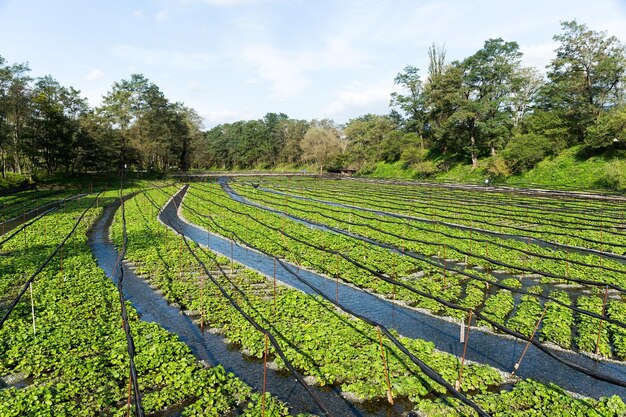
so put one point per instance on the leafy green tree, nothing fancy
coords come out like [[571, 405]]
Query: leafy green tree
[[15, 97], [586, 77], [365, 137], [55, 124], [409, 107], [291, 132], [469, 101], [321, 143], [609, 130]]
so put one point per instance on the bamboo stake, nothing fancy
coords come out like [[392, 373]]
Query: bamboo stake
[[517, 364], [459, 381], [264, 378], [130, 380], [32, 309], [606, 294], [201, 298], [337, 277], [274, 285], [385, 370]]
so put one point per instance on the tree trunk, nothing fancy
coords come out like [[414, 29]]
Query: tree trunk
[[473, 151], [4, 167]]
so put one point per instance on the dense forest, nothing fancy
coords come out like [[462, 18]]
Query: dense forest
[[485, 106]]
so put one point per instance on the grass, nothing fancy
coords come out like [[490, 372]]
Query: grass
[[571, 169], [12, 181]]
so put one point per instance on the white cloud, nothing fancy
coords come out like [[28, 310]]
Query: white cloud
[[284, 71], [538, 55], [197, 87], [358, 99], [221, 3], [138, 13], [94, 75], [216, 117], [164, 58], [162, 16]]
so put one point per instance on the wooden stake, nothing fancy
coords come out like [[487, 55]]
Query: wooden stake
[[130, 380], [606, 294], [459, 381], [337, 277], [264, 377], [201, 298], [274, 285], [517, 364], [385, 370], [32, 309]]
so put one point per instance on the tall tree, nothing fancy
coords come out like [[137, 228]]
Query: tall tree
[[410, 104], [321, 143], [586, 76], [365, 137]]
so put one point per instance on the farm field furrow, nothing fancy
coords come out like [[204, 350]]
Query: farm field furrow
[[63, 350], [598, 238], [229, 222]]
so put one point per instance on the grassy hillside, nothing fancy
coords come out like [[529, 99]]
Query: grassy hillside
[[569, 169]]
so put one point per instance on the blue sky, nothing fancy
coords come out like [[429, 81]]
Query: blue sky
[[239, 59]]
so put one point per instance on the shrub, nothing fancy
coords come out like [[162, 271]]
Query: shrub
[[498, 167], [525, 151], [425, 169], [614, 176]]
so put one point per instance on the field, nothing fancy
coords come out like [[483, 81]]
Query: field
[[331, 296]]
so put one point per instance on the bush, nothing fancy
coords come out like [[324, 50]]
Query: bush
[[614, 176], [413, 155], [525, 151], [498, 168], [608, 130], [425, 169]]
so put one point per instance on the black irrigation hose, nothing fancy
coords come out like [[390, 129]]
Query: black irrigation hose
[[57, 204], [503, 214], [454, 248], [22, 207], [426, 259], [459, 226], [44, 264], [533, 201], [130, 344], [427, 370], [570, 194], [395, 206], [253, 322], [454, 306], [356, 213]]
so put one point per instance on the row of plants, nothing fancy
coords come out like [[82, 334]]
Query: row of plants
[[515, 399], [455, 288], [500, 303], [429, 239], [75, 361], [503, 212], [595, 238], [520, 202], [14, 205], [319, 341]]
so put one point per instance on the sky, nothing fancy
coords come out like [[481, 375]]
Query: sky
[[310, 59]]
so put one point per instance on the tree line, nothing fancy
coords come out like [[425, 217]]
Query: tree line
[[47, 126], [486, 105]]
